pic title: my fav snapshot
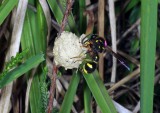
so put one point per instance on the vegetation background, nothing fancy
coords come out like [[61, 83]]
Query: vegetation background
[[29, 81]]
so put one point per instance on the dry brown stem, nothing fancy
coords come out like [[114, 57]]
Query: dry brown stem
[[65, 17], [101, 9], [52, 90]]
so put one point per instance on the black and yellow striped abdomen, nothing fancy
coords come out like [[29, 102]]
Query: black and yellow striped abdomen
[[89, 67]]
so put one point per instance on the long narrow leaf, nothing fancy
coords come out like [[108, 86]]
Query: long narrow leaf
[[87, 99], [34, 37], [148, 47], [23, 68], [131, 4], [82, 18], [100, 93], [5, 8], [57, 12], [69, 96]]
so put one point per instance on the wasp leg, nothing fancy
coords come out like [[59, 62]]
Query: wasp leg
[[81, 56]]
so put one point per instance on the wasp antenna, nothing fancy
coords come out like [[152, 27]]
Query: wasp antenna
[[82, 41], [90, 35]]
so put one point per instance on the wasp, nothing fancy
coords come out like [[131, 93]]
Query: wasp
[[95, 45], [90, 65]]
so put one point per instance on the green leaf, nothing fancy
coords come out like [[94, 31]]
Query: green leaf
[[134, 47], [158, 37], [58, 13], [5, 8], [82, 18], [147, 49], [87, 99], [69, 96], [34, 38], [134, 15], [20, 70], [131, 4], [100, 93]]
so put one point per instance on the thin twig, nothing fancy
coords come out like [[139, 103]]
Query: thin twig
[[90, 21], [129, 30], [101, 18], [65, 17], [124, 80], [52, 90], [53, 79], [28, 90], [55, 25], [112, 20]]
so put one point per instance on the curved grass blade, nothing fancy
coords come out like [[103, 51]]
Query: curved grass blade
[[5, 8], [20, 70], [100, 93]]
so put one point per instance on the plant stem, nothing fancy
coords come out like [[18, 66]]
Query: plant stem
[[65, 17], [101, 7], [52, 90]]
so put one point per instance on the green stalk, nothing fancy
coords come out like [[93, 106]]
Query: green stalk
[[87, 99], [148, 47], [82, 18], [69, 96], [99, 92]]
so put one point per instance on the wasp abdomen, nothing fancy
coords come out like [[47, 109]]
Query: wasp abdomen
[[89, 67]]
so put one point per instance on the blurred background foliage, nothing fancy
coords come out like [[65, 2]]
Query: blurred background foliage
[[29, 70]]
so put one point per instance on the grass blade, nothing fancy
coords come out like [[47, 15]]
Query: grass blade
[[5, 8], [82, 18], [57, 12], [34, 38], [147, 49], [100, 93], [20, 70], [87, 99], [69, 96], [131, 4]]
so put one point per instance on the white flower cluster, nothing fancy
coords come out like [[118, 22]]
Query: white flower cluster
[[68, 50]]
